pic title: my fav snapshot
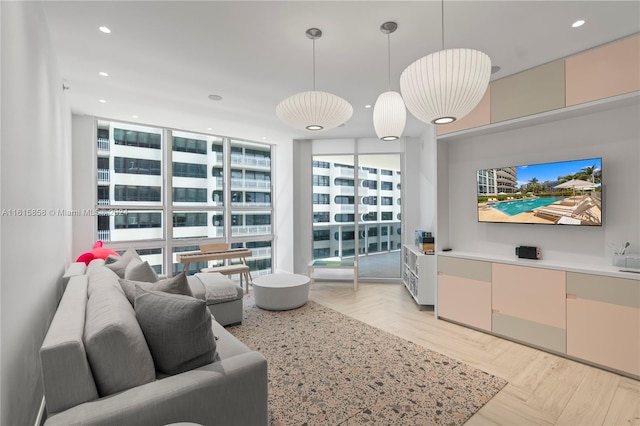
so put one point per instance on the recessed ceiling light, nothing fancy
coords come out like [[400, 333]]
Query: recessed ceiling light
[[578, 23], [105, 30], [209, 128], [134, 116], [102, 101], [215, 97], [104, 74], [495, 69], [264, 138], [367, 106]]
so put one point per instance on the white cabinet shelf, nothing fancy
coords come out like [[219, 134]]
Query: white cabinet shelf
[[419, 275]]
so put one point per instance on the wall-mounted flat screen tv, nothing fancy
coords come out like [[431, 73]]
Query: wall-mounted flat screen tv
[[558, 193]]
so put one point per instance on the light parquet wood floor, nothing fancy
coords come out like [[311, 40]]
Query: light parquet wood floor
[[543, 389]]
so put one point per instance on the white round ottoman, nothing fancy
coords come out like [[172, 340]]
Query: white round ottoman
[[280, 292]]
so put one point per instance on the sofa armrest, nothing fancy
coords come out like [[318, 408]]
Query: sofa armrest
[[76, 268], [228, 392]]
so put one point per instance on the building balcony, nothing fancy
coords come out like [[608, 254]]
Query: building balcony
[[103, 176], [104, 234], [237, 231], [104, 201], [343, 190], [250, 184], [103, 147], [349, 173], [262, 252], [249, 161]]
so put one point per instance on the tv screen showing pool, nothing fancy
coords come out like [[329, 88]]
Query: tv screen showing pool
[[558, 193]]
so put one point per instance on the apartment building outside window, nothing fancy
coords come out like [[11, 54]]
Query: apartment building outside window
[[360, 210], [220, 190]]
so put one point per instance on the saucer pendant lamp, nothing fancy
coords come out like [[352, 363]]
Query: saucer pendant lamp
[[447, 85], [314, 110], [389, 112]]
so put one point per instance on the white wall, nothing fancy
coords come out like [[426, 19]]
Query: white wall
[[285, 179], [84, 182], [612, 134], [35, 170]]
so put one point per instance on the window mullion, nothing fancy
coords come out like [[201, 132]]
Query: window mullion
[[168, 201]]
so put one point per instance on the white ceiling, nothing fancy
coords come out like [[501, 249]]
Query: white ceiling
[[165, 57]]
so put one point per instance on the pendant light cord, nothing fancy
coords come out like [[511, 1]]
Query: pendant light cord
[[314, 64], [442, 22], [389, 64]]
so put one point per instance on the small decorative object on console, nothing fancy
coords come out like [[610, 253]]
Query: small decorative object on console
[[527, 252], [425, 241]]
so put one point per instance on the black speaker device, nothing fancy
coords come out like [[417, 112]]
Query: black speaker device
[[528, 252]]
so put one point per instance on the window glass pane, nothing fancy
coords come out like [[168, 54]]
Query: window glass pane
[[250, 223], [128, 225], [193, 156], [124, 150], [192, 224], [260, 260], [151, 255], [250, 174]]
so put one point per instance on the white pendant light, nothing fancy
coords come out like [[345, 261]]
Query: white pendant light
[[314, 110], [389, 113], [447, 85]]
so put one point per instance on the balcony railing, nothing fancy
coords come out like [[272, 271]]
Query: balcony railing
[[250, 204], [248, 161], [251, 230], [103, 176], [350, 208], [250, 184], [103, 145], [104, 234], [104, 202], [261, 252]]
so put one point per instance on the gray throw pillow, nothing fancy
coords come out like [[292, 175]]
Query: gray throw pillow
[[137, 270], [177, 329], [175, 285], [121, 263], [116, 348]]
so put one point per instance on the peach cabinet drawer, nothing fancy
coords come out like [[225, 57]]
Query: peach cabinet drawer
[[604, 333], [532, 294], [465, 301]]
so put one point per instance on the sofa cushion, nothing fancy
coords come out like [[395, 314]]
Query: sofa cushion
[[214, 287], [116, 348], [137, 270], [120, 264], [174, 285], [177, 328], [102, 278]]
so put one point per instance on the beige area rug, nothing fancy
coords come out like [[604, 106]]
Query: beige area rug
[[329, 369]]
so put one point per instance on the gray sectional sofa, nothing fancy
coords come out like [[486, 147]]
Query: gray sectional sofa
[[161, 360]]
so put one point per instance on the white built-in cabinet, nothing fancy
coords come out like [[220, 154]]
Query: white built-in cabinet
[[589, 317], [419, 274]]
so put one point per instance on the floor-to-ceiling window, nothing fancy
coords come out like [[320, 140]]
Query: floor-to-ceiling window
[[357, 211], [219, 190]]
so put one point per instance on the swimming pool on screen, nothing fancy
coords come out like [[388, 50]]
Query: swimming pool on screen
[[515, 207]]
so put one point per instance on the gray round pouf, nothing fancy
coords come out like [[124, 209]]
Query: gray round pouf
[[280, 292]]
